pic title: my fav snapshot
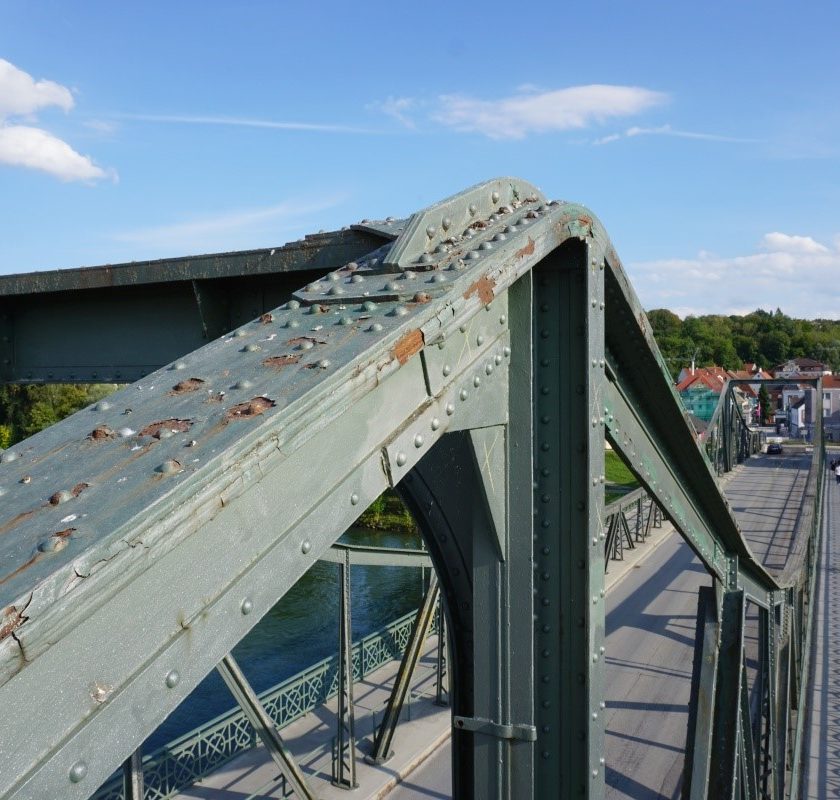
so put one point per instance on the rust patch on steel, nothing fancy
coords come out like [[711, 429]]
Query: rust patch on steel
[[65, 533], [78, 489], [189, 385], [253, 408], [408, 345], [528, 250], [483, 287], [14, 618], [280, 361], [101, 432], [266, 318], [174, 425], [421, 298]]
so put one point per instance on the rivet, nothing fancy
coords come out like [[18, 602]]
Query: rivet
[[401, 459], [418, 440], [435, 423], [169, 467], [103, 405], [463, 394], [293, 305], [594, 302], [399, 311], [497, 359], [305, 546], [247, 606], [485, 246], [345, 321], [476, 381], [243, 384], [594, 773], [251, 348], [292, 323], [173, 678], [450, 409], [472, 209], [78, 772], [424, 259], [376, 327], [431, 231], [439, 277], [324, 363], [473, 255], [479, 340], [495, 197], [602, 650], [179, 365], [446, 223], [354, 499], [446, 370], [357, 279]]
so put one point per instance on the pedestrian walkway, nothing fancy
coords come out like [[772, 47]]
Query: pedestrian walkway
[[423, 727], [822, 738]]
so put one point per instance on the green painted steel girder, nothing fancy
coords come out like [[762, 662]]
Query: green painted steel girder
[[496, 339]]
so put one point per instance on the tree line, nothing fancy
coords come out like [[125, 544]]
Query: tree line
[[766, 338]]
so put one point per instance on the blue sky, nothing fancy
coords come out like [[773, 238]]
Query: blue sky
[[705, 136]]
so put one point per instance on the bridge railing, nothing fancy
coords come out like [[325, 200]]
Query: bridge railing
[[628, 522], [178, 764]]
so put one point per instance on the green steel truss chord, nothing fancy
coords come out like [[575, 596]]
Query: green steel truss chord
[[250, 704], [489, 347], [381, 751]]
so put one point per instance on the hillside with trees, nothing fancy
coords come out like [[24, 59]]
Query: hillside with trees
[[766, 338]]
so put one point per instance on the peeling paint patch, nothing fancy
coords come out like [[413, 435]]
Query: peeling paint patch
[[266, 318], [189, 385], [528, 250], [280, 361], [483, 287], [171, 425], [100, 433], [253, 408], [302, 339], [408, 345]]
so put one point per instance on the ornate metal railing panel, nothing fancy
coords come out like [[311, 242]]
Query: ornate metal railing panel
[[180, 763]]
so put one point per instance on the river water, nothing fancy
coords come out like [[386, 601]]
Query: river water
[[303, 628]]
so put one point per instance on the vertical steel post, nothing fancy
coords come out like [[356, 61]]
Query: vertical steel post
[[440, 666], [569, 379], [133, 776], [253, 709], [344, 766]]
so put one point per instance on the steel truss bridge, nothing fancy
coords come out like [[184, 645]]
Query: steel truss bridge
[[474, 357]]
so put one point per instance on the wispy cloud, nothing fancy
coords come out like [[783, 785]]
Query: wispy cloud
[[398, 108], [21, 96], [797, 273], [245, 122], [239, 228], [667, 130], [533, 111]]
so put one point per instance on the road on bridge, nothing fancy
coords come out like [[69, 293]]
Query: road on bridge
[[651, 615]]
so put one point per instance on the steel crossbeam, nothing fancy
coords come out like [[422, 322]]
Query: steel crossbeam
[[473, 358]]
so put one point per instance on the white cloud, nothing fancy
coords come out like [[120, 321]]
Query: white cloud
[[398, 108], [241, 228], [34, 148], [21, 94], [544, 112], [667, 130], [22, 146], [795, 273], [782, 242]]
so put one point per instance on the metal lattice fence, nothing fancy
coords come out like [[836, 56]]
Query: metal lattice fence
[[180, 763]]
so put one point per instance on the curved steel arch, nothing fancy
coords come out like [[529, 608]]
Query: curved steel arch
[[476, 364]]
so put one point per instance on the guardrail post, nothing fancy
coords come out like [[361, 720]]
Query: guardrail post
[[344, 765], [133, 776], [440, 666]]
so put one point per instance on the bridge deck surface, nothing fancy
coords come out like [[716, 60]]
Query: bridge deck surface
[[822, 740], [651, 625]]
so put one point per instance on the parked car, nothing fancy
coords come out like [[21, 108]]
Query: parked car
[[774, 449]]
